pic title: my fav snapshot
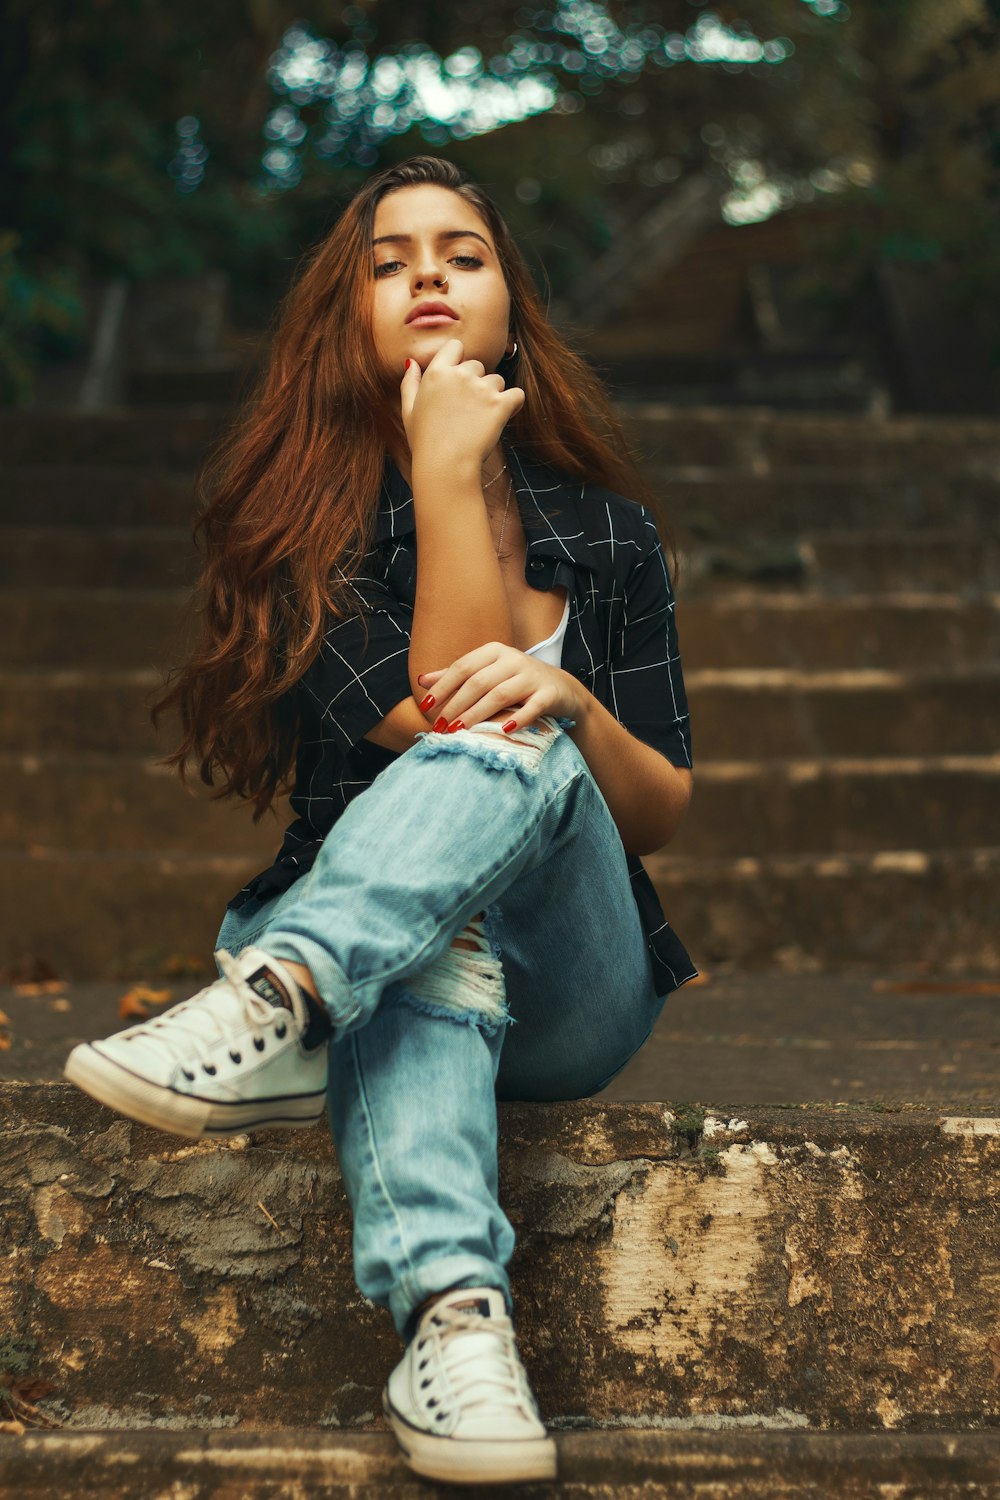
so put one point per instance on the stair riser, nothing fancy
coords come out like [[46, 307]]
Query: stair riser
[[845, 566], [686, 1283], [118, 916], [149, 496], [770, 440], [721, 506], [944, 717], [51, 630], [134, 557], [716, 505], [143, 557], [129, 806], [917, 445]]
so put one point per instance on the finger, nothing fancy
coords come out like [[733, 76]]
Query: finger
[[477, 701], [452, 678], [450, 353], [408, 387]]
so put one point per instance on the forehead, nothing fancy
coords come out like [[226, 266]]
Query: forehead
[[426, 207]]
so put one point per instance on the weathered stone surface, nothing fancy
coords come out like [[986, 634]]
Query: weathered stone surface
[[674, 1465], [815, 1268]]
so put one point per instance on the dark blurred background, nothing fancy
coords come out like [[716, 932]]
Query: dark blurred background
[[782, 201]]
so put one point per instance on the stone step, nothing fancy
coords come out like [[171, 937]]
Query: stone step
[[781, 713], [81, 627], [98, 495], [765, 439], [835, 564], [123, 557], [676, 1265], [203, 1464], [119, 802], [714, 502], [765, 1037], [758, 439], [718, 503], [872, 561], [138, 912]]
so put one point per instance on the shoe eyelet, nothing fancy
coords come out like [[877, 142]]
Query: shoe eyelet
[[439, 1416], [433, 1401], [282, 1031], [236, 1057], [258, 1042], [209, 1067], [423, 1383], [187, 1075]]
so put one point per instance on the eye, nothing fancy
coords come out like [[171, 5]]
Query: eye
[[471, 260]]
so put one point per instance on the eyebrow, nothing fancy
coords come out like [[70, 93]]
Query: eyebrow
[[445, 234]]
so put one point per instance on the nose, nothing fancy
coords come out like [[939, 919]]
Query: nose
[[427, 272]]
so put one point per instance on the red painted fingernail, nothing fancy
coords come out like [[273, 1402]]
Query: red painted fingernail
[[427, 703], [407, 365], [510, 724], [457, 725], [441, 724]]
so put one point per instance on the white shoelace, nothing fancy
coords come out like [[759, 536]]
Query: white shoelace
[[499, 1370], [190, 1030]]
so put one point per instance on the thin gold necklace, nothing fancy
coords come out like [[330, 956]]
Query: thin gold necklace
[[506, 508]]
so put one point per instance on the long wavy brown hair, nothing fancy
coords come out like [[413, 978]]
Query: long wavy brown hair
[[287, 499]]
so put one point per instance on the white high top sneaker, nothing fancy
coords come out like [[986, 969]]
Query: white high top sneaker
[[245, 1052], [459, 1402]]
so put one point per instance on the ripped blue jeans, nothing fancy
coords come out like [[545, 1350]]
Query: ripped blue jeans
[[552, 1001]]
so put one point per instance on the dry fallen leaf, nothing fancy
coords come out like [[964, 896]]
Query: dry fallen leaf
[[135, 1001], [40, 987]]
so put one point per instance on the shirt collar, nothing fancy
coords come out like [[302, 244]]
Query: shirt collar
[[540, 490]]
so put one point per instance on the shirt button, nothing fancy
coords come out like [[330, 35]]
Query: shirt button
[[536, 564], [582, 672]]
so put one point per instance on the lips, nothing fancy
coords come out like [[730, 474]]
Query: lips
[[430, 309]]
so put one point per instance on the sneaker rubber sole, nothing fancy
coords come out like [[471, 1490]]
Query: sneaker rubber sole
[[470, 1460], [180, 1114]]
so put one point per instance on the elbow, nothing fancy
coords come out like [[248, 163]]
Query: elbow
[[675, 802]]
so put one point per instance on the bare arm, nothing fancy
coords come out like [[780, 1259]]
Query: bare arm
[[646, 795], [460, 599]]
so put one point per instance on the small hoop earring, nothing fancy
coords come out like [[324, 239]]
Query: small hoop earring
[[512, 352]]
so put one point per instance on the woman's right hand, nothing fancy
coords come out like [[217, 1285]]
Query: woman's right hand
[[452, 410]]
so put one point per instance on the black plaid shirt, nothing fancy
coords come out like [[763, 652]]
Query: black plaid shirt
[[621, 641]]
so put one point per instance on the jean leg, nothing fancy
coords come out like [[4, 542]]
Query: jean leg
[[441, 832], [412, 1112]]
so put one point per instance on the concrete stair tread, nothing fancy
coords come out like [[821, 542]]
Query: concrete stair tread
[[671, 1464], [764, 1038]]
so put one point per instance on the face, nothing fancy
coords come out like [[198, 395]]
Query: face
[[409, 271]]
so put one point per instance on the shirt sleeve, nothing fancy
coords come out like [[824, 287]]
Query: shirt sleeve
[[646, 678], [353, 683]]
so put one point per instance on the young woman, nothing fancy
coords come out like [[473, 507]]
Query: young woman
[[433, 606]]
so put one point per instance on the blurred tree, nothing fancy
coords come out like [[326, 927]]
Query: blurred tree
[[143, 139]]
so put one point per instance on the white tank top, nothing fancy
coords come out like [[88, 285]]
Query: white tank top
[[550, 650]]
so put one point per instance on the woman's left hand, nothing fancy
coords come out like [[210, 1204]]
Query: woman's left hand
[[496, 680]]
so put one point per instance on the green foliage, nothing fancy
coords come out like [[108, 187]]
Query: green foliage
[[41, 316]]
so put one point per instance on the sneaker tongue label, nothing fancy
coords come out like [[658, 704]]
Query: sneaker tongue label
[[270, 988], [478, 1304]]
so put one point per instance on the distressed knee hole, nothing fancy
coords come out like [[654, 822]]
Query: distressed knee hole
[[521, 750], [466, 983]]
